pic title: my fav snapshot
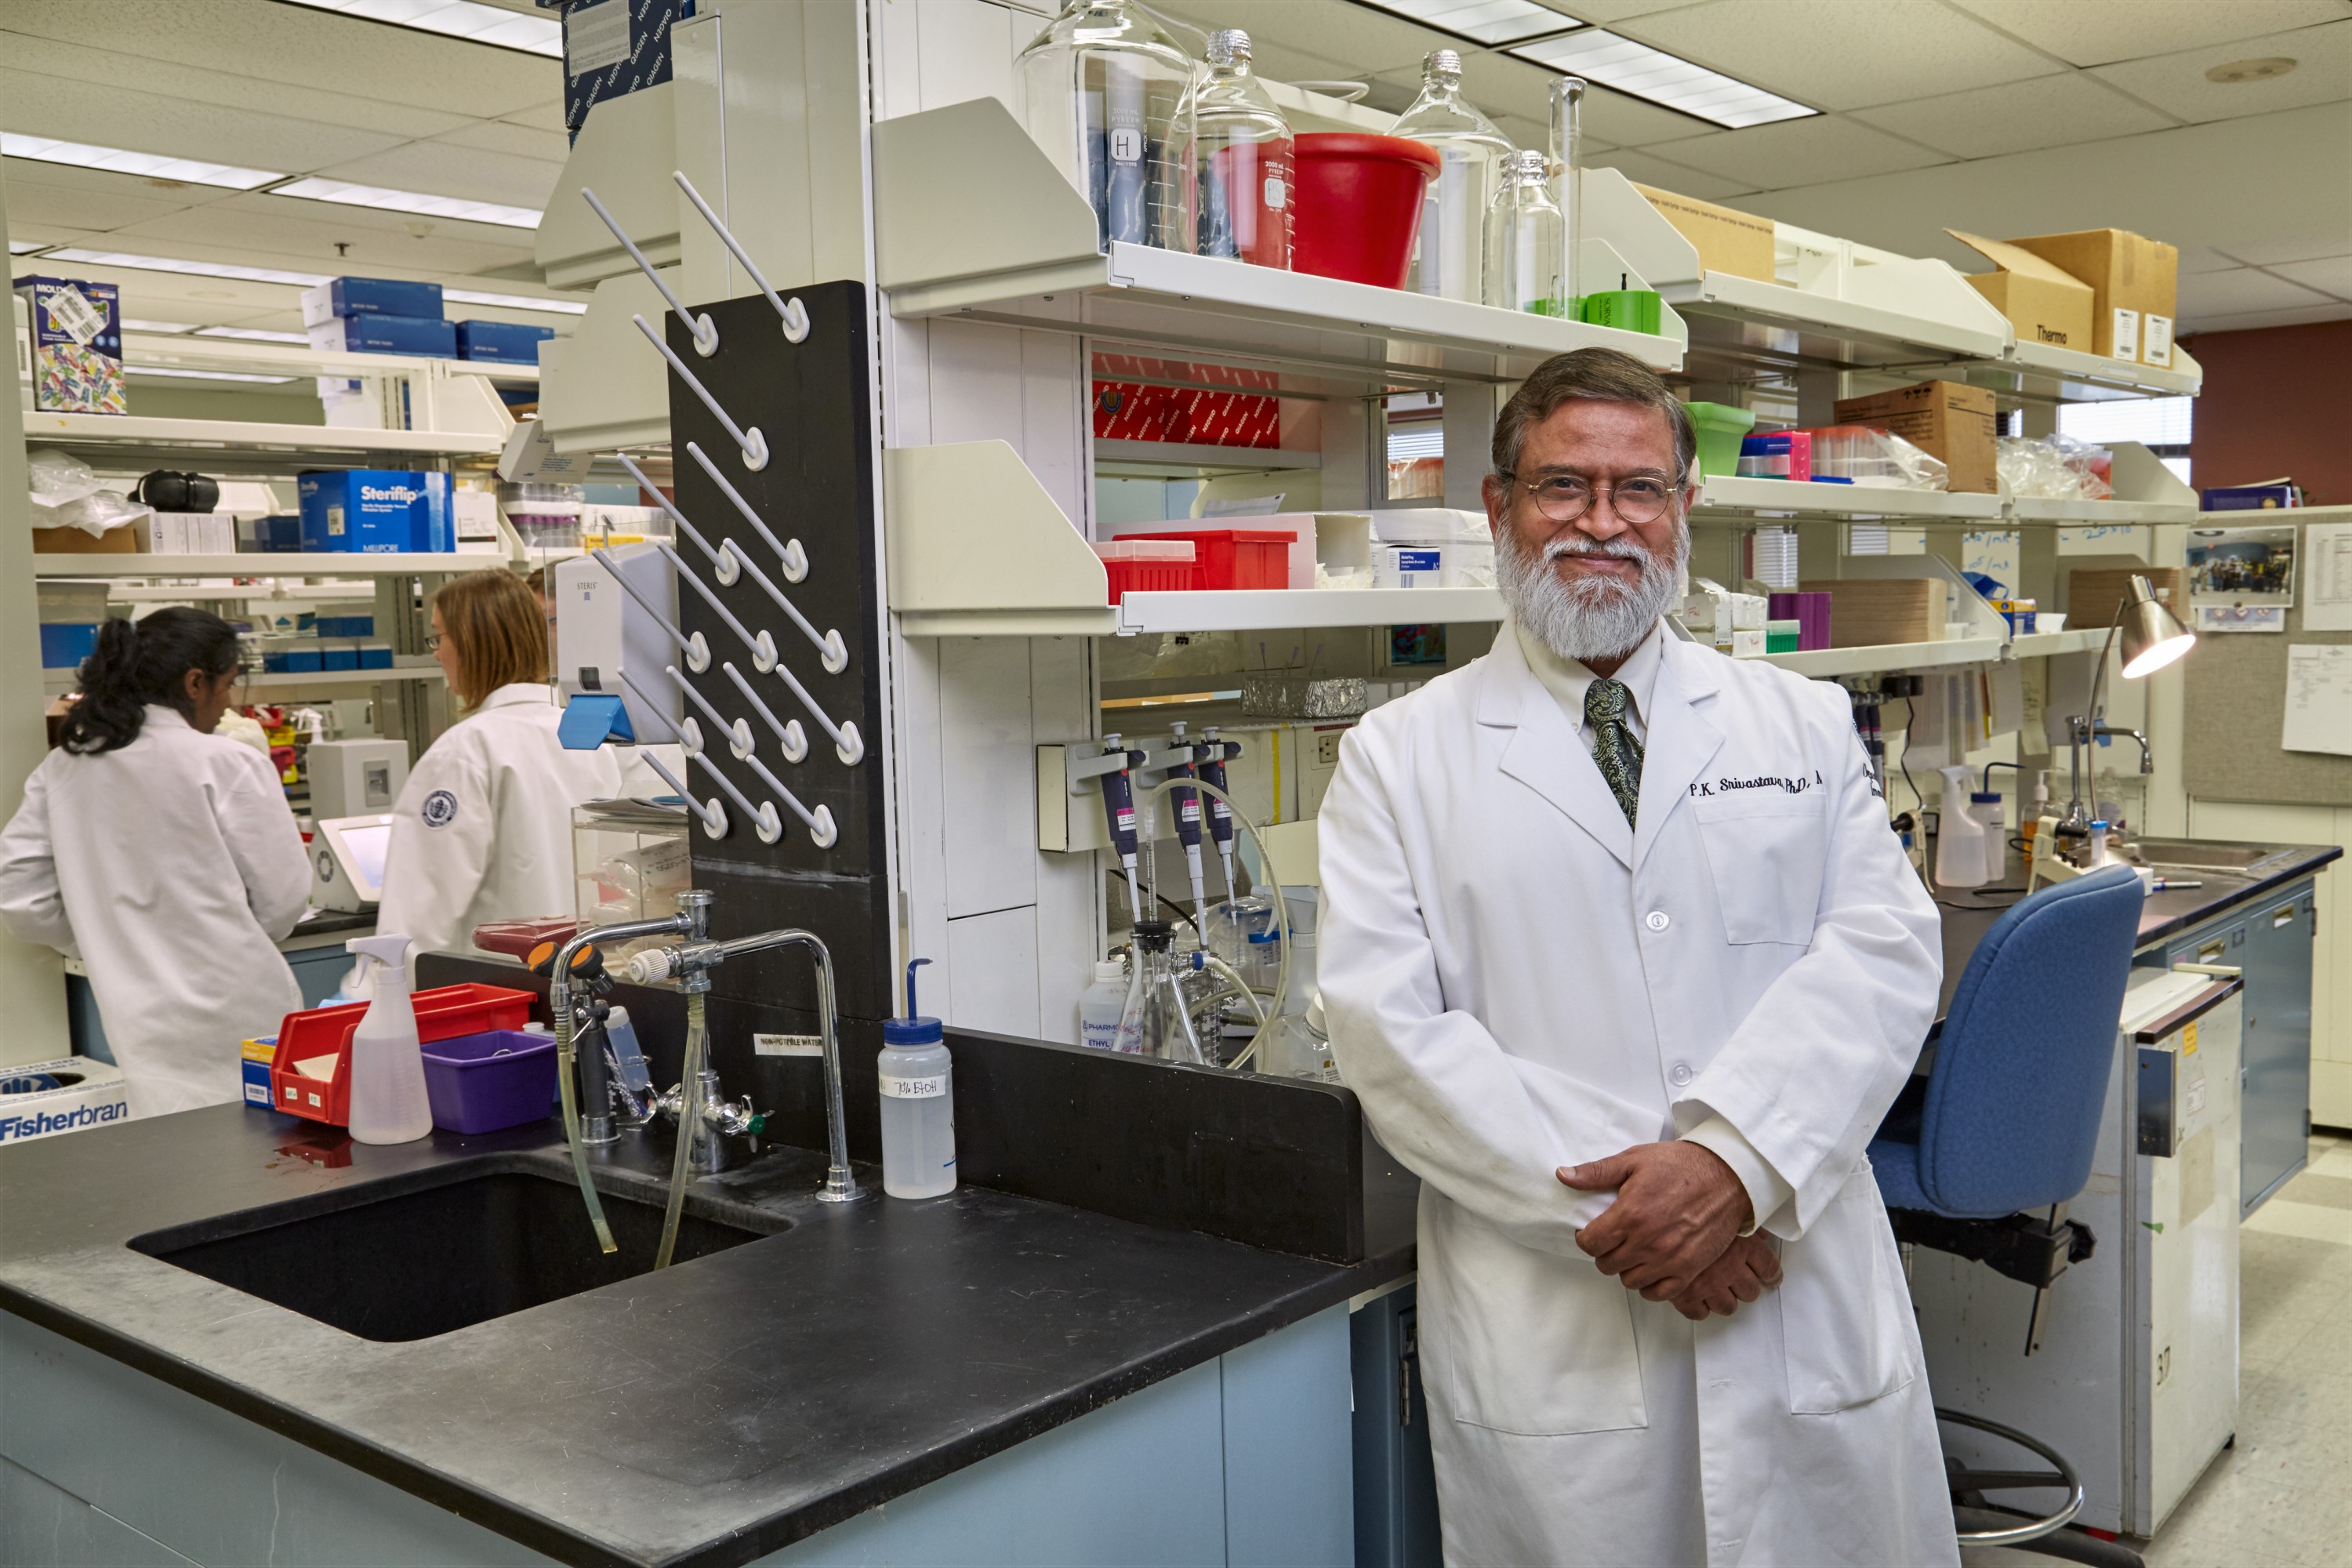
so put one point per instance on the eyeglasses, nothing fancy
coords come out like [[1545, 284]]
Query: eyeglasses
[[1564, 497], [433, 641]]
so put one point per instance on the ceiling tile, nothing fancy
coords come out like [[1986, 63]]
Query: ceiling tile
[[81, 199], [2246, 288], [1603, 12], [179, 297], [1623, 121], [1648, 169], [546, 116], [2100, 32], [1801, 153], [2045, 111], [306, 243], [154, 122], [505, 136], [2272, 250], [444, 170], [1332, 30], [1838, 53], [2205, 259], [2330, 275], [2256, 320], [2177, 84]]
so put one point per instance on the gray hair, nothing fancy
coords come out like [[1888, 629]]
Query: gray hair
[[1604, 375]]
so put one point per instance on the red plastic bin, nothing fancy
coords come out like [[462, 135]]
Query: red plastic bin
[[1358, 206], [443, 1013], [1237, 558], [1149, 566]]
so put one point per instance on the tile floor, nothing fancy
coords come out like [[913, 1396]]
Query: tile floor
[[2282, 1497]]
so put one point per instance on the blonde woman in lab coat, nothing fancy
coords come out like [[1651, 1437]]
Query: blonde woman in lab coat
[[483, 829], [164, 857]]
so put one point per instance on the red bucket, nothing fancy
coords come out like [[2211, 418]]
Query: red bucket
[[1358, 205]]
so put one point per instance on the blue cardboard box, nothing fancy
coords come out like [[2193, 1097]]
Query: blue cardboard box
[[370, 296], [375, 656], [376, 511], [64, 647], [339, 656], [386, 335], [2252, 498], [346, 625], [501, 340], [292, 662]]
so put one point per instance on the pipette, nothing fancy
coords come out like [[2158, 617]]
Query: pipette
[[1188, 818], [1119, 812], [1214, 754]]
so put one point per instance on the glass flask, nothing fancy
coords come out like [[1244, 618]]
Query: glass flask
[[1242, 179], [1109, 93], [1527, 240], [1158, 1020], [1449, 254]]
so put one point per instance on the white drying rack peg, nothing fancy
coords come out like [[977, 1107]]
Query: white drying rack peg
[[713, 815], [730, 561], [764, 820], [696, 651], [704, 330], [789, 733], [794, 559], [821, 831], [739, 733], [763, 645], [753, 444], [795, 314], [847, 744]]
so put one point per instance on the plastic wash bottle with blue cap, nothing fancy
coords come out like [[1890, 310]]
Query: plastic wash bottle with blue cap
[[919, 1157]]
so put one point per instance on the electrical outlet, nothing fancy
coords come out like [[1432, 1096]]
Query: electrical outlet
[[1327, 748]]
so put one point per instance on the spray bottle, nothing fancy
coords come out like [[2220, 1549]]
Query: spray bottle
[[1959, 836], [388, 1103], [917, 1077]]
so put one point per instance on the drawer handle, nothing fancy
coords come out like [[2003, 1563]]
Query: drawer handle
[[2283, 915], [2211, 952]]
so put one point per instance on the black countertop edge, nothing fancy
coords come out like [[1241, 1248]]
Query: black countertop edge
[[541, 1534], [2310, 861]]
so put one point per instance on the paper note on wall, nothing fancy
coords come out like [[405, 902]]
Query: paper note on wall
[[2318, 700], [2328, 577]]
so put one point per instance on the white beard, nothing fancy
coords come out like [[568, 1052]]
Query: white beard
[[1592, 618]]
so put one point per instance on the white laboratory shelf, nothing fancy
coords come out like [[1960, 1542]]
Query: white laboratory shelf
[[1822, 662], [2080, 375], [1254, 609], [296, 359], [57, 682], [2036, 644], [190, 437], [2092, 513], [1732, 494], [1748, 319], [253, 593], [326, 564]]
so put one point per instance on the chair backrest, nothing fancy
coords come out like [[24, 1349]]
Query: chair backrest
[[2021, 1068]]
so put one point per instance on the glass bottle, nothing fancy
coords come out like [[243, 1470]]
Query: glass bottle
[[1158, 1021], [1241, 150], [1109, 90], [1526, 241], [1449, 253]]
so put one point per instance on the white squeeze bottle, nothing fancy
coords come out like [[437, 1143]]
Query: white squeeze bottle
[[918, 1084], [388, 1103], [1102, 1004]]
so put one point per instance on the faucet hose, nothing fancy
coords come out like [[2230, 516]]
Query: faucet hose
[[690, 1122], [563, 1058]]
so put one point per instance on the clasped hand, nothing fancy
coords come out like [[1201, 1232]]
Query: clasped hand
[[1674, 1232]]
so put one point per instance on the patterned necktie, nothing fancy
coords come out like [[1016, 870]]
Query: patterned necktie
[[1614, 748]]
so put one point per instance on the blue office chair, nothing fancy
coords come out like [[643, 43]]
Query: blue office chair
[[2005, 1122]]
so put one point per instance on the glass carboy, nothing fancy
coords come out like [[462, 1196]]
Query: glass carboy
[[1242, 179], [1449, 254], [1108, 93]]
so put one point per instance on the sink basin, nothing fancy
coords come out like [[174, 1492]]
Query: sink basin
[[2179, 852], [411, 1264]]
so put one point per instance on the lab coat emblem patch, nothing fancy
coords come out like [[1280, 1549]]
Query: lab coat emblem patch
[[440, 808]]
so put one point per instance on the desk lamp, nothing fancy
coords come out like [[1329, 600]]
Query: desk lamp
[[2151, 638]]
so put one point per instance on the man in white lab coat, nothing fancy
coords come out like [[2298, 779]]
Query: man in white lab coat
[[1625, 963]]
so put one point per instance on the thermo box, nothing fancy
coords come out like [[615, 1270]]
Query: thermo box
[[376, 511], [386, 335], [501, 340], [322, 302]]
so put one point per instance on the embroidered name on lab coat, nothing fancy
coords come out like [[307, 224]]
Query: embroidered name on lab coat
[[1786, 784]]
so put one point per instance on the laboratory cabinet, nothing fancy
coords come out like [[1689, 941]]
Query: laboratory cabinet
[[2270, 940], [1396, 1479]]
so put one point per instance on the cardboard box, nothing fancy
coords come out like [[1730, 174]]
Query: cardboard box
[[375, 511], [41, 1100], [1946, 419], [123, 540], [1728, 241], [386, 335], [322, 302], [2044, 303], [203, 532], [2133, 282], [1870, 612], [501, 340], [76, 341], [2094, 594]]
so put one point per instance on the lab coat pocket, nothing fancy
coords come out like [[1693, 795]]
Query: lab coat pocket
[[1766, 850], [1528, 1342], [1844, 1314]]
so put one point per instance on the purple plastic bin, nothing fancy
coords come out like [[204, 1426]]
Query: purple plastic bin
[[480, 1083], [1810, 611]]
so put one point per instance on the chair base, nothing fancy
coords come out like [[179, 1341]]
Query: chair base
[[2068, 1543], [1981, 1523]]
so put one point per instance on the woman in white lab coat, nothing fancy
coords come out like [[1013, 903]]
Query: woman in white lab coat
[[483, 829], [165, 855]]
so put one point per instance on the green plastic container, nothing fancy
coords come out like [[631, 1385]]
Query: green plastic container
[[1720, 428], [1628, 310], [1782, 636]]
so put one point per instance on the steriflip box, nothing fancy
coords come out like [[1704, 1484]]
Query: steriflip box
[[322, 302], [424, 335], [376, 511]]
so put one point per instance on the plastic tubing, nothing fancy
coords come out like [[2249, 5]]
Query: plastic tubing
[[689, 1120], [1273, 1009], [563, 1058]]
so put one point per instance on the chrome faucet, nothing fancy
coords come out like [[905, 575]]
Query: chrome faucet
[[601, 1078], [719, 1117], [2082, 734]]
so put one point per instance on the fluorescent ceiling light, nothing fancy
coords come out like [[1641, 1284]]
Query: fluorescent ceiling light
[[1640, 72], [515, 301], [25, 246], [253, 334], [117, 160], [193, 268], [349, 195], [1489, 22], [466, 19], [130, 325], [204, 375]]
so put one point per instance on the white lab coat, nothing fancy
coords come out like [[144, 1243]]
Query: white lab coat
[[1517, 980], [172, 867], [482, 831]]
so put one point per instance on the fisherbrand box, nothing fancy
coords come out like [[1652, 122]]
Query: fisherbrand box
[[376, 511]]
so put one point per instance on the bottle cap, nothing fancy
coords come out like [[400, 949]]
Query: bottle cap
[[1531, 164], [1152, 936], [1228, 45], [914, 1030], [1984, 797], [1265, 936], [1109, 969], [1443, 63]]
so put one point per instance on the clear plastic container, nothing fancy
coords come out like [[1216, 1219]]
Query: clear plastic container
[[630, 860], [1861, 455], [1242, 177], [1526, 241], [1231, 924], [1450, 252], [1108, 94]]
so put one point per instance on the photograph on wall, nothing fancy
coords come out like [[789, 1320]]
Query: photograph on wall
[[2241, 579]]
